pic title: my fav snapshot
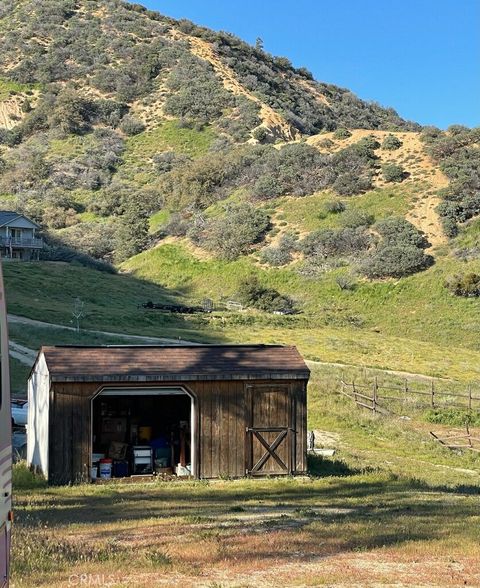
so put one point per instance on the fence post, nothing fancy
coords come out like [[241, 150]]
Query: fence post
[[469, 397], [433, 394], [375, 391], [406, 386], [354, 391]]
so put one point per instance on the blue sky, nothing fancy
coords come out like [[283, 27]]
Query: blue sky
[[420, 56]]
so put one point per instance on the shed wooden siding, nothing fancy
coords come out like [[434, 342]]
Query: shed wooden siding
[[222, 414]]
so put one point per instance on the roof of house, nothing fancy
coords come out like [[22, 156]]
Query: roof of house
[[169, 363], [8, 216]]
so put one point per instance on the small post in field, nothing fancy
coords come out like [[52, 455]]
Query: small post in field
[[433, 394]]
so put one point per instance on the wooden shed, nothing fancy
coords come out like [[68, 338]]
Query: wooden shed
[[209, 410]]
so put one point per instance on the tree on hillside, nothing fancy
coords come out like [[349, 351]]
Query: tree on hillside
[[236, 231], [132, 232]]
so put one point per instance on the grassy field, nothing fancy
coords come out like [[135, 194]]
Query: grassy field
[[391, 508], [413, 324]]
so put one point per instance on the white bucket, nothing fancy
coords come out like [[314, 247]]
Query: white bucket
[[93, 473], [105, 470]]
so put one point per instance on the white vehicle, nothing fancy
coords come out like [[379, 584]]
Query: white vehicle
[[19, 412], [5, 446]]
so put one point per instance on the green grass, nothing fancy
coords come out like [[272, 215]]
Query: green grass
[[91, 217], [36, 336], [69, 148], [413, 324], [308, 213], [158, 220], [47, 290], [18, 377], [9, 88], [168, 136], [469, 236]]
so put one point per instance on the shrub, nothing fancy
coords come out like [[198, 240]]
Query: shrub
[[345, 282], [71, 113], [342, 134], [131, 126], [168, 160], [266, 188], [450, 227], [197, 94], [398, 231], [391, 143], [177, 225], [260, 134], [326, 143], [334, 206], [393, 172], [350, 183], [282, 254], [251, 293], [329, 242], [94, 239], [236, 231], [354, 218], [55, 250], [132, 232], [467, 285], [396, 261], [369, 143], [275, 256]]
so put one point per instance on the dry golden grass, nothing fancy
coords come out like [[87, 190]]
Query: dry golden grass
[[361, 529]]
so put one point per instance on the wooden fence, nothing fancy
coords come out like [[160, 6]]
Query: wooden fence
[[388, 398], [459, 440]]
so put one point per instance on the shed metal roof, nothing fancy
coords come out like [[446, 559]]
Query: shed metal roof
[[174, 363]]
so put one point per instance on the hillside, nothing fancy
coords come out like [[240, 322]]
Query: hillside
[[204, 167]]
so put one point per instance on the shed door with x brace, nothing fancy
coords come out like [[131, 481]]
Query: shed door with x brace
[[269, 431]]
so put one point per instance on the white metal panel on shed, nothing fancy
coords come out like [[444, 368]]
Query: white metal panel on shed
[[38, 416]]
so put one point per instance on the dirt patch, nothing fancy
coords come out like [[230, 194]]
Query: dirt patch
[[416, 162], [11, 112], [326, 439]]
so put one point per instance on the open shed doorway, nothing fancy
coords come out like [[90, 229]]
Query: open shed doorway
[[143, 431]]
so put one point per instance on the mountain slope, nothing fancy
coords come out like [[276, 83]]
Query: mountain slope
[[195, 161]]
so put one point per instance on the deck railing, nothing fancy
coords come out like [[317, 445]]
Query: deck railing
[[32, 243]]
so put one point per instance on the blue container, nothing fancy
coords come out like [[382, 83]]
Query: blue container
[[120, 469]]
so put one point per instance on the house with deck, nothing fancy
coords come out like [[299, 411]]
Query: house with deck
[[19, 237]]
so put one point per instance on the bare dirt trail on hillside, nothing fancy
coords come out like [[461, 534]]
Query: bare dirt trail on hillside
[[270, 118], [21, 353], [15, 347]]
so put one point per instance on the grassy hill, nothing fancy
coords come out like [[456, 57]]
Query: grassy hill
[[191, 161]]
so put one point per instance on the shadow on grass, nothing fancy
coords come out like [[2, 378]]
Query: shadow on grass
[[320, 467], [349, 512]]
